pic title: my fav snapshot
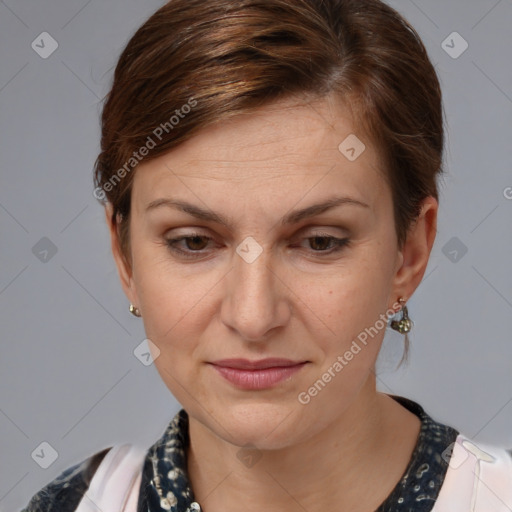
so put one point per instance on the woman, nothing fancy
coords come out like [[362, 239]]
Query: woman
[[269, 175]]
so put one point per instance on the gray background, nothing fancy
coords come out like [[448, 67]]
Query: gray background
[[68, 375]]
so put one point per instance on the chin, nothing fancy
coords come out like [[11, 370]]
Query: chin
[[265, 425]]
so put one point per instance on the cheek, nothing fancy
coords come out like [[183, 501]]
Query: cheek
[[168, 297], [351, 299], [334, 307], [172, 315], [173, 312]]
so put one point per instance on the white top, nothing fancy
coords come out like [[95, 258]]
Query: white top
[[115, 484], [478, 479]]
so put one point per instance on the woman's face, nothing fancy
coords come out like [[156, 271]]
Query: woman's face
[[262, 274]]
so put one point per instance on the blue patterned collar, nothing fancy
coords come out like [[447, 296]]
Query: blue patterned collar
[[166, 487]]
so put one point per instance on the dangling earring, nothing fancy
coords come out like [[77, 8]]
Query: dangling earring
[[404, 325], [135, 311]]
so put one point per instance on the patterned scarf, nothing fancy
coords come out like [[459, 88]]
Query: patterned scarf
[[166, 486]]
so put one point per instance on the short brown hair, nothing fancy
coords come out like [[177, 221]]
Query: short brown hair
[[226, 57]]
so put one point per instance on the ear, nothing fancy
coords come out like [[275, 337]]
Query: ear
[[414, 256], [123, 267]]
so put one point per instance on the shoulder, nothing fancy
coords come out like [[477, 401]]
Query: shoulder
[[64, 493], [479, 477]]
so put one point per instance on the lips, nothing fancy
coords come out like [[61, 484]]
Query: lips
[[257, 375], [245, 364]]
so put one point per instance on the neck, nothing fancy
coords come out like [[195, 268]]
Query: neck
[[339, 468]]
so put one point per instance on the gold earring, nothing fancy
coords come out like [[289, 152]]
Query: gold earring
[[404, 325], [135, 311]]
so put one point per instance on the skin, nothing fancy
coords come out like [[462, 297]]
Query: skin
[[290, 302]]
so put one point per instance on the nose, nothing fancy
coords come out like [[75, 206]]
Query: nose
[[255, 300]]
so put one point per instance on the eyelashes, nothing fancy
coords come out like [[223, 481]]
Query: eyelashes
[[193, 239]]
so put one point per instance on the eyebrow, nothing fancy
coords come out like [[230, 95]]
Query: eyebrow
[[291, 218]]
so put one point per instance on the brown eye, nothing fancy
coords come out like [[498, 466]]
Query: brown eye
[[327, 244], [193, 247], [320, 243], [193, 242]]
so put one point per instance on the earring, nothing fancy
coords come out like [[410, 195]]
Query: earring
[[404, 325], [135, 311]]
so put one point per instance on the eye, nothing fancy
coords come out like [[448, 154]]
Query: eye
[[321, 243], [193, 245]]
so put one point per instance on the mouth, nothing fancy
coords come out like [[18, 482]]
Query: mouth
[[254, 375]]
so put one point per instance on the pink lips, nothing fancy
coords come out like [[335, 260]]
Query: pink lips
[[261, 374]]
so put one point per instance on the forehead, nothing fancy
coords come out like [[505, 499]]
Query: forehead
[[288, 140]]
